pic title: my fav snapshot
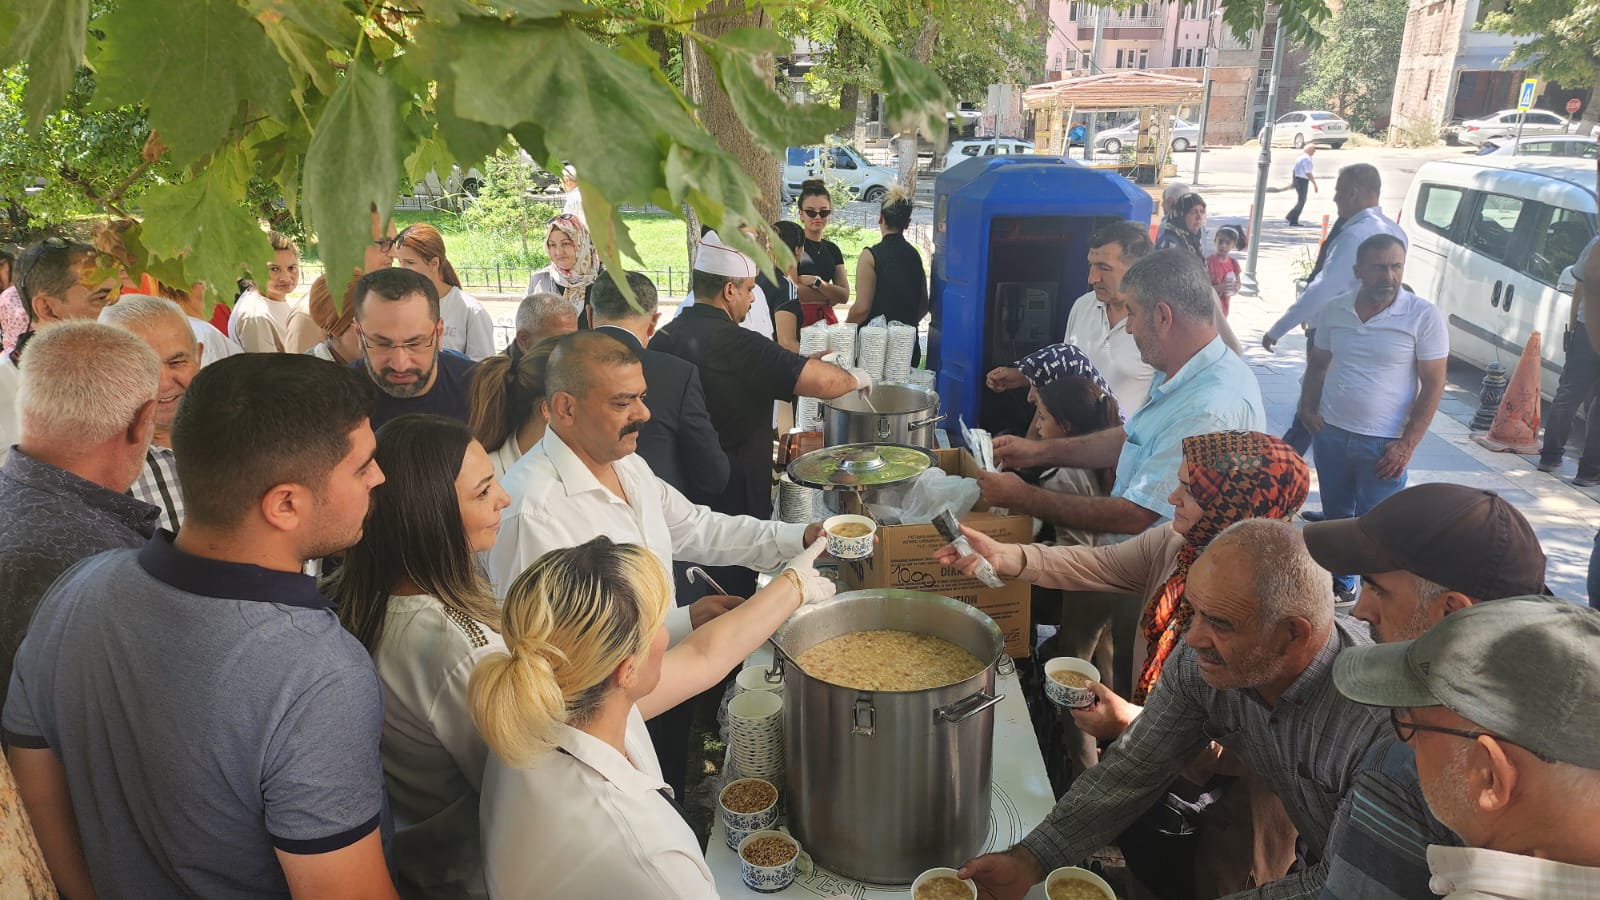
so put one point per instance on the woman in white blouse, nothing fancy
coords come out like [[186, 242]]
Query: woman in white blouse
[[574, 806], [412, 593], [505, 403], [468, 327]]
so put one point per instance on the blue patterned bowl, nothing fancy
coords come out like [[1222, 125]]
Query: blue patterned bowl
[[768, 879]]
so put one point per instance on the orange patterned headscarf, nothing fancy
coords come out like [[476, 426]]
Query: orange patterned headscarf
[[1233, 475]]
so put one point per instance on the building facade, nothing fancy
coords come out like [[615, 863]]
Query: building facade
[[1450, 70]]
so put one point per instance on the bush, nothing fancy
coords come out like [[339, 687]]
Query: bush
[[510, 209], [1415, 132]]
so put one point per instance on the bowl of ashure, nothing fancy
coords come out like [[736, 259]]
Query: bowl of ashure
[[943, 884], [888, 723], [1073, 883], [849, 536], [1066, 682]]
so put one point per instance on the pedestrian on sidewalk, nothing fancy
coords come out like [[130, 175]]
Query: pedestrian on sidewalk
[[1184, 225], [1580, 375], [1373, 381], [1303, 178], [1221, 265], [1355, 195]]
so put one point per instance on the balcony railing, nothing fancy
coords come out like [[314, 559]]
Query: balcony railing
[[1116, 20]]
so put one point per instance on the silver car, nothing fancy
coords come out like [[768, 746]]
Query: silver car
[[1185, 135], [1310, 126], [1504, 124], [1543, 146]]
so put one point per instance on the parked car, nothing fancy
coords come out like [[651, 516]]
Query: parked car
[[981, 147], [1310, 126], [1544, 145], [1490, 237], [1184, 135], [837, 162], [1503, 124]]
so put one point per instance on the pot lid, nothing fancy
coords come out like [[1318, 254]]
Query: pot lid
[[849, 467]]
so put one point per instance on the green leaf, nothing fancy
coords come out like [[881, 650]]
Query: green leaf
[[547, 9], [190, 64], [334, 22], [203, 223], [353, 166], [306, 53], [755, 42], [49, 35], [914, 97], [774, 123]]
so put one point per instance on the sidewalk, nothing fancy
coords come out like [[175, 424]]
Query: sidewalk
[[1564, 516]]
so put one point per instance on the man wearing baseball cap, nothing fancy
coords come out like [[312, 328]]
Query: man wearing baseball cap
[[1426, 552], [1497, 701]]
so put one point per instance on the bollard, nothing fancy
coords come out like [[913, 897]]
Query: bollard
[[1494, 390], [1248, 237]]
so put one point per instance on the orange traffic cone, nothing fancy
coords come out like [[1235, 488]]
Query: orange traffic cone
[[1516, 422]]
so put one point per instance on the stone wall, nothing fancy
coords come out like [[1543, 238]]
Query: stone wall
[[1428, 60]]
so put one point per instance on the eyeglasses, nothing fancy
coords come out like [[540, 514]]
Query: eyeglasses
[[415, 345], [817, 213], [1405, 731], [386, 244]]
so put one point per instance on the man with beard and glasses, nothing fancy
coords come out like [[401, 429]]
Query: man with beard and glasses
[[584, 479], [1426, 553], [189, 718], [1373, 381], [397, 318], [1255, 676], [1497, 701]]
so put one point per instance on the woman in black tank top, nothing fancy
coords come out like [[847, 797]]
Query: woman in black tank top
[[890, 278]]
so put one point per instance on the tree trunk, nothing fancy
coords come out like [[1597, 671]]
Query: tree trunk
[[850, 102], [716, 111], [22, 871], [906, 141], [1591, 113]]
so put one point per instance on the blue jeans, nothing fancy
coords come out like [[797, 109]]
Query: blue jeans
[[1347, 478]]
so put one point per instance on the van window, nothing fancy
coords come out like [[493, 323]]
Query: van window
[[1436, 207], [799, 156], [1492, 227], [1558, 242], [970, 150]]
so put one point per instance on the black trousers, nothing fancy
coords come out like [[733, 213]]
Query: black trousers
[[1301, 185], [1580, 375]]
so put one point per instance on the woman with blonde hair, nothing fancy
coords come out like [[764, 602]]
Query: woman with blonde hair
[[890, 278], [574, 805], [412, 593], [505, 404], [468, 327], [574, 263]]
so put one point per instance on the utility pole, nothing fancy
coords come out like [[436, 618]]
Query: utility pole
[[1247, 284], [1205, 105], [1094, 69]]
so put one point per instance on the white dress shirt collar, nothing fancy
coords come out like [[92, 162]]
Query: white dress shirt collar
[[1470, 872]]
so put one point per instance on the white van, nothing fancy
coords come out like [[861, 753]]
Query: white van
[[837, 162], [1490, 237]]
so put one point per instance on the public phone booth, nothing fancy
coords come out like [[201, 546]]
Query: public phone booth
[[1011, 245]]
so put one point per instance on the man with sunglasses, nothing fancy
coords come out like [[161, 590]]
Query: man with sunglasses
[[1497, 702], [1424, 554], [397, 318]]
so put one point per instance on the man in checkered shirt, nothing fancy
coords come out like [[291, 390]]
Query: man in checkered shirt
[[163, 325]]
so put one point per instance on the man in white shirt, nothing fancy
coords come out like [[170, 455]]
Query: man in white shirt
[[1373, 381], [162, 325], [1303, 178], [260, 318], [1495, 699], [541, 315], [583, 480]]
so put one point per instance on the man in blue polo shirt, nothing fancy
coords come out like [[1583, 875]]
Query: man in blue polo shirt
[[397, 316], [189, 718]]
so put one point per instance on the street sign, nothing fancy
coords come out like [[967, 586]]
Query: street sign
[[1573, 106], [1525, 96]]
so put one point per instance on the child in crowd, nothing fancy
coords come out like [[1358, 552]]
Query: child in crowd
[[1072, 407], [1223, 267]]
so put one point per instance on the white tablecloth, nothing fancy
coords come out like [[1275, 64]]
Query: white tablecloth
[[1021, 799]]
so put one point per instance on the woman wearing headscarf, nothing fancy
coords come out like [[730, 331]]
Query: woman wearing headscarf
[[1184, 225], [574, 263], [1225, 477]]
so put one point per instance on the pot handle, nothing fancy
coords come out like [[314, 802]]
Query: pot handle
[[863, 717], [885, 429], [774, 673], [920, 423], [967, 707]]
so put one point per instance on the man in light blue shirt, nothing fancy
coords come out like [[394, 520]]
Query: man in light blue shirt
[[1199, 387]]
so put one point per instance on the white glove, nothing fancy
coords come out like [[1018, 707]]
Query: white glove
[[813, 585], [863, 380]]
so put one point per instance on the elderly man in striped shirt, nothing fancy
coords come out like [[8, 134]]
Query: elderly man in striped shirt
[[163, 325], [1256, 678]]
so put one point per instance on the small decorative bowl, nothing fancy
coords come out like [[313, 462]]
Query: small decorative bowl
[[1065, 695], [931, 874], [754, 678], [1073, 873], [771, 879], [850, 547], [749, 821]]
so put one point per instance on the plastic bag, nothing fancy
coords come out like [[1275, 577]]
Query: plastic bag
[[927, 495]]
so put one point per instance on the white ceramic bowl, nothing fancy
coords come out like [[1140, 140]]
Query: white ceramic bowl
[[1073, 873], [850, 547], [1062, 695], [768, 879], [931, 874], [751, 821]]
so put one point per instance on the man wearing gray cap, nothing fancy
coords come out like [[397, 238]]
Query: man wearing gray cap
[[1422, 554], [1497, 701]]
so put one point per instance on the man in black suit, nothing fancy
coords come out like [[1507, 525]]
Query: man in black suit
[[682, 448]]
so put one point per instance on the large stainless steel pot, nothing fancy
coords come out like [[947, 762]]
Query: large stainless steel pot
[[883, 785], [898, 413]]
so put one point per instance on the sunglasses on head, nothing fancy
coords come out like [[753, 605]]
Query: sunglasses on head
[[817, 213]]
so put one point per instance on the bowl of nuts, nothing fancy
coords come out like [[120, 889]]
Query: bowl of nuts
[[768, 860], [749, 804]]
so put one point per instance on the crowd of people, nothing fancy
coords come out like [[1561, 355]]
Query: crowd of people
[[353, 605]]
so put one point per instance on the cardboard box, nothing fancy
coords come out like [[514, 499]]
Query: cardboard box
[[904, 560]]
